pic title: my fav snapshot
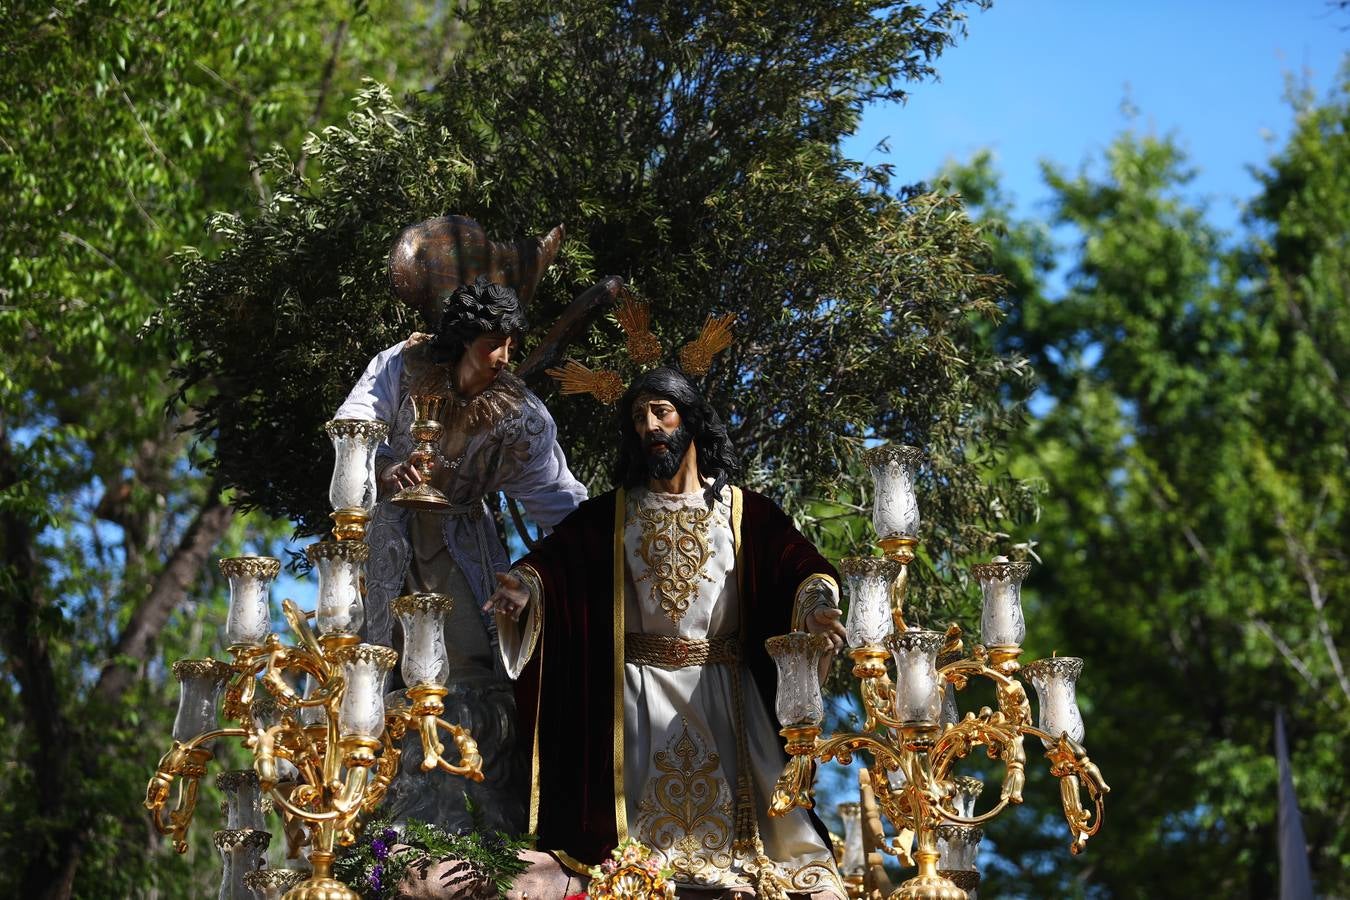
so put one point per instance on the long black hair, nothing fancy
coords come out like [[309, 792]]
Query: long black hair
[[717, 459], [471, 311]]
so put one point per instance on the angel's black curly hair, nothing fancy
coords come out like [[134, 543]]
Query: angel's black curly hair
[[717, 459], [473, 310]]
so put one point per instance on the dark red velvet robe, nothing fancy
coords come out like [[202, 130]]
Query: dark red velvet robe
[[566, 695]]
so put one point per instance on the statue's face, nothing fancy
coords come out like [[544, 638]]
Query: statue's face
[[489, 354], [662, 433]]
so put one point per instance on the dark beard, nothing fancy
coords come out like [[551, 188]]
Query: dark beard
[[663, 466]]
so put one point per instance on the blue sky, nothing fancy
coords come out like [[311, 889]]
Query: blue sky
[[1048, 80]]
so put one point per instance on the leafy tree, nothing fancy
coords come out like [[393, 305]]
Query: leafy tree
[[122, 125], [1193, 452], [691, 149]]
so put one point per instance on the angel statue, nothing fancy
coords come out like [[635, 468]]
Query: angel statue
[[496, 436]]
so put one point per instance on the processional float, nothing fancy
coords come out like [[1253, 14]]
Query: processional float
[[913, 731]]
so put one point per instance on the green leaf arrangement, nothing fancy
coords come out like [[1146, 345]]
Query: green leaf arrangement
[[385, 854]]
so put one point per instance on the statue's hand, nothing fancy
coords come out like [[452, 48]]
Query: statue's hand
[[398, 476], [510, 598], [825, 620]]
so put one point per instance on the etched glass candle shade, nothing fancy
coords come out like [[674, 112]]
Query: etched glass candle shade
[[1056, 683], [854, 862], [354, 444], [951, 712], [1001, 623], [249, 619], [272, 884], [968, 790], [895, 509], [200, 683], [869, 606], [364, 669], [243, 799], [339, 610], [958, 847], [425, 660], [918, 690], [311, 715], [797, 656]]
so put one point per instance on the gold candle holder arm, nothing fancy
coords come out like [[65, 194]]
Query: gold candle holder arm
[[470, 760], [427, 706], [795, 788], [299, 622], [1069, 762], [242, 685], [185, 760], [878, 700], [901, 550]]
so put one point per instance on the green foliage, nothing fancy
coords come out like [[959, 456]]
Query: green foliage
[[1193, 527], [123, 125], [691, 149], [374, 868]]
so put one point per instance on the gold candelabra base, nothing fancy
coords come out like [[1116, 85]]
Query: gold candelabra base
[[922, 887], [321, 885]]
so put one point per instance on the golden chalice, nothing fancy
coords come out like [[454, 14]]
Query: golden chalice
[[426, 431]]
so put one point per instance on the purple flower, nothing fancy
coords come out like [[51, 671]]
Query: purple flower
[[379, 848], [389, 835], [375, 874]]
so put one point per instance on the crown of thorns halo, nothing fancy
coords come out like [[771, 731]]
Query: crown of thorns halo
[[644, 349]]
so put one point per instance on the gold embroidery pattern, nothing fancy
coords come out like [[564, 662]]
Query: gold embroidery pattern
[[686, 811], [675, 548]]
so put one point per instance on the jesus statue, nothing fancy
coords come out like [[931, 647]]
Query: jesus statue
[[636, 632]]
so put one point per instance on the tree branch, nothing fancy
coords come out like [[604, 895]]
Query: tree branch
[[1303, 561], [325, 86], [168, 591], [1289, 656]]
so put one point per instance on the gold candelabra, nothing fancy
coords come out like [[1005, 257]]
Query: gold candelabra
[[321, 773], [911, 730], [326, 755]]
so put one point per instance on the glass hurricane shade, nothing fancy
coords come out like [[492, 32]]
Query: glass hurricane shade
[[918, 690], [200, 683], [311, 715], [354, 444], [869, 582], [895, 508], [797, 656], [854, 861], [425, 660], [951, 712], [1001, 622], [364, 670], [249, 619], [958, 847], [338, 563], [968, 790], [1056, 683], [243, 799]]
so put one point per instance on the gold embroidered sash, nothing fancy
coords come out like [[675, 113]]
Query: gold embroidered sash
[[677, 653]]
